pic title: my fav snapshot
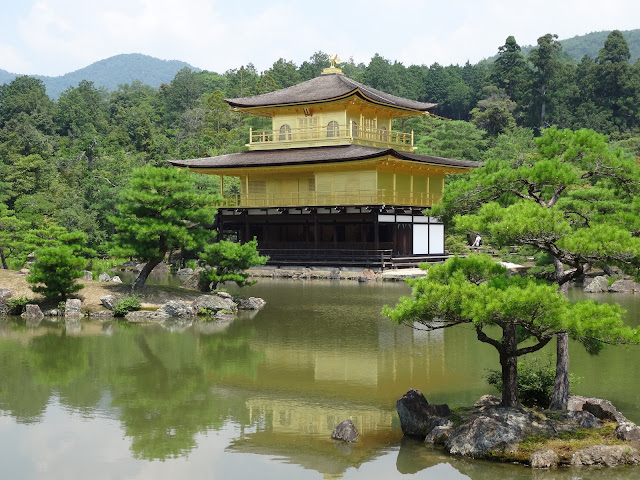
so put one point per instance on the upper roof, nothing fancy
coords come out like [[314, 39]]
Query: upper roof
[[325, 88], [313, 155]]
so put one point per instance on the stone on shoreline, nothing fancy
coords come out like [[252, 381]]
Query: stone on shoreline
[[72, 308], [608, 455], [417, 416], [32, 312], [597, 285], [600, 408], [108, 301], [176, 308], [543, 459], [213, 303], [250, 303], [142, 316], [624, 286]]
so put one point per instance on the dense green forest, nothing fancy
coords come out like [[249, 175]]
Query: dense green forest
[[64, 162]]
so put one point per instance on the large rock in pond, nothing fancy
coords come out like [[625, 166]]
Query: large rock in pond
[[250, 303], [32, 312], [177, 308], [600, 408], [624, 286], [213, 303], [608, 455], [417, 416], [144, 316], [597, 285], [345, 431]]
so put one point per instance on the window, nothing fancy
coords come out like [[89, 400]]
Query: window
[[354, 129], [383, 134], [333, 129], [285, 132], [308, 127]]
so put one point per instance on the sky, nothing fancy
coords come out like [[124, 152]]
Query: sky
[[54, 37]]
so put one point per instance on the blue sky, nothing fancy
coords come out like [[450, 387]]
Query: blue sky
[[53, 37]]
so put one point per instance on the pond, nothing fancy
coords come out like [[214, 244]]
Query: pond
[[260, 397]]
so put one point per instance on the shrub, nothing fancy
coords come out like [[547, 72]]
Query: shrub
[[55, 272], [126, 304], [16, 305], [535, 381]]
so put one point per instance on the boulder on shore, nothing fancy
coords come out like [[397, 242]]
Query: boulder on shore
[[108, 301], [250, 303], [345, 431], [32, 312], [417, 416], [176, 308], [143, 316], [600, 408], [543, 459], [213, 303], [72, 308], [597, 285], [608, 455]]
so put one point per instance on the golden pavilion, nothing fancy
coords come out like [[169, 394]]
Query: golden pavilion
[[331, 183]]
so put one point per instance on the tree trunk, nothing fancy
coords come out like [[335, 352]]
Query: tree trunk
[[144, 274], [4, 260], [560, 394], [509, 364]]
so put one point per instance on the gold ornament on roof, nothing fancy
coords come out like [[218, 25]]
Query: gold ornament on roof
[[332, 68]]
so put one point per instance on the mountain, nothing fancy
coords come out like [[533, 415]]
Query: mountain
[[591, 43], [111, 72]]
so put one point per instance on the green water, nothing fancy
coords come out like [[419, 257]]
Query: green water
[[259, 398]]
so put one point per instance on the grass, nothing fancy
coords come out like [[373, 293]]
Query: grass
[[564, 444]]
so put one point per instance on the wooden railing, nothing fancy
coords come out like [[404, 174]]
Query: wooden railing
[[329, 257], [334, 132], [318, 199]]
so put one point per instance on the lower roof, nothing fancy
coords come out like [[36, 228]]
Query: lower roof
[[311, 155]]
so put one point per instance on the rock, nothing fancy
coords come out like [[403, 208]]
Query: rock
[[439, 434], [583, 419], [624, 286], [115, 279], [185, 272], [104, 277], [24, 271], [192, 282], [108, 301], [54, 312], [345, 431], [600, 408], [213, 303], [417, 416], [224, 295], [101, 315], [494, 430], [72, 308], [32, 311], [142, 316], [609, 455], [177, 308], [87, 275], [488, 401], [629, 432], [5, 295], [597, 285], [250, 303], [543, 459]]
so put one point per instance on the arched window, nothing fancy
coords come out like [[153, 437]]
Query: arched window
[[383, 134], [285, 132], [333, 129]]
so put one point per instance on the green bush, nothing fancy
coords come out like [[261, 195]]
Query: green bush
[[126, 304], [535, 381], [55, 272], [16, 305]]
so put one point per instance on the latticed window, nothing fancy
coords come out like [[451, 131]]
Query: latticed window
[[333, 129], [354, 129], [308, 127], [285, 132]]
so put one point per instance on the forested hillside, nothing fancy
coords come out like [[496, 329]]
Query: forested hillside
[[63, 162], [111, 72]]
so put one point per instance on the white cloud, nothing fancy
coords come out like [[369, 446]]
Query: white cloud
[[57, 36]]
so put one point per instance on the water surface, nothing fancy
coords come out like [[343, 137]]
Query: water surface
[[259, 397]]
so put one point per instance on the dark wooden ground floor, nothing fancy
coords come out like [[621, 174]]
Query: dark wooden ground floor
[[338, 235]]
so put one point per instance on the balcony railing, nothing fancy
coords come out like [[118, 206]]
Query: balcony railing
[[332, 134], [310, 199]]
